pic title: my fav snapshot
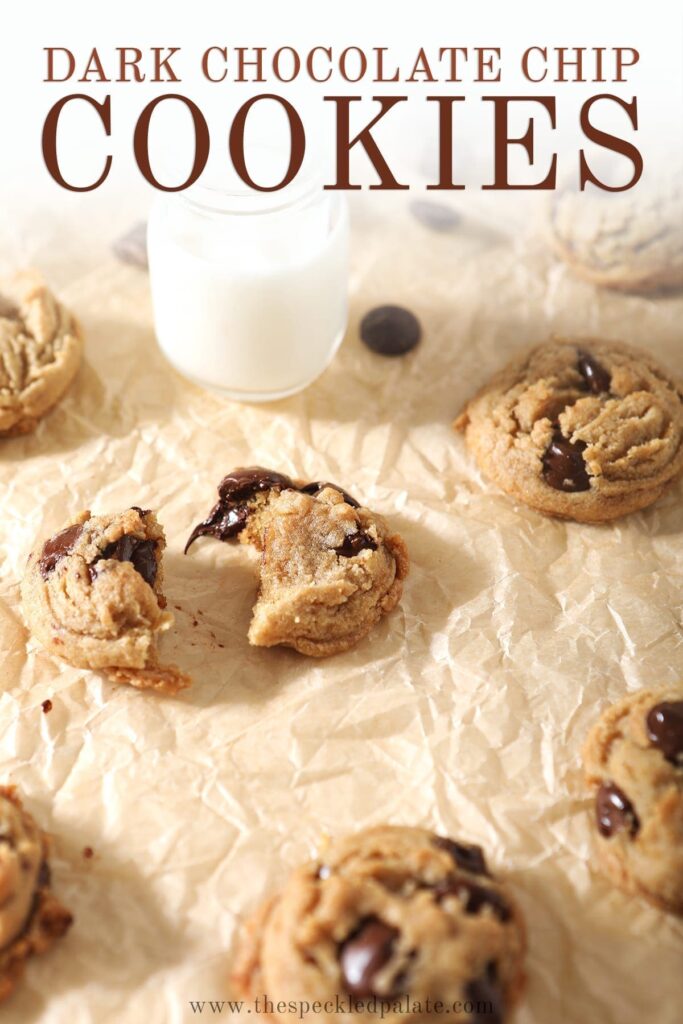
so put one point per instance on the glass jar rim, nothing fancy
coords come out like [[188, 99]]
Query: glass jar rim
[[244, 200]]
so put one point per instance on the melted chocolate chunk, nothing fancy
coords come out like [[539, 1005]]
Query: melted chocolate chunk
[[57, 548], [473, 897], [469, 858], [486, 995], [140, 553], [564, 466], [363, 954], [355, 542], [390, 330], [665, 729], [597, 379], [614, 811], [229, 515], [242, 484], [436, 216], [319, 485]]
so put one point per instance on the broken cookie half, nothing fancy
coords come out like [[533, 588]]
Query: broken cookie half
[[92, 595], [330, 569], [31, 917]]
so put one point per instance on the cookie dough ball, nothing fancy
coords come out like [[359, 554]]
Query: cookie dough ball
[[579, 428], [330, 569], [629, 241], [387, 914], [30, 916], [40, 351], [92, 595], [634, 764]]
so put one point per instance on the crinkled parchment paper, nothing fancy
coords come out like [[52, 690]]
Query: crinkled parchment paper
[[464, 711]]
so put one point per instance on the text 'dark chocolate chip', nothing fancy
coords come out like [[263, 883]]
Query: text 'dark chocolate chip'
[[390, 330], [468, 857], [665, 729], [57, 548], [364, 954], [614, 812], [597, 378], [564, 466]]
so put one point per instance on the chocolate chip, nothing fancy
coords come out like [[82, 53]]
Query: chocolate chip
[[46, 706], [486, 996], [390, 330], [473, 897], [363, 954], [594, 373], [320, 485], [665, 729], [435, 216], [469, 858], [614, 811], [564, 466], [229, 515], [57, 548], [140, 553], [354, 543]]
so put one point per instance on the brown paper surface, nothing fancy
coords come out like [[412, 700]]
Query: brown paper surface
[[464, 711]]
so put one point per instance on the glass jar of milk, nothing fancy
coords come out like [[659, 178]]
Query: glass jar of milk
[[250, 288]]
